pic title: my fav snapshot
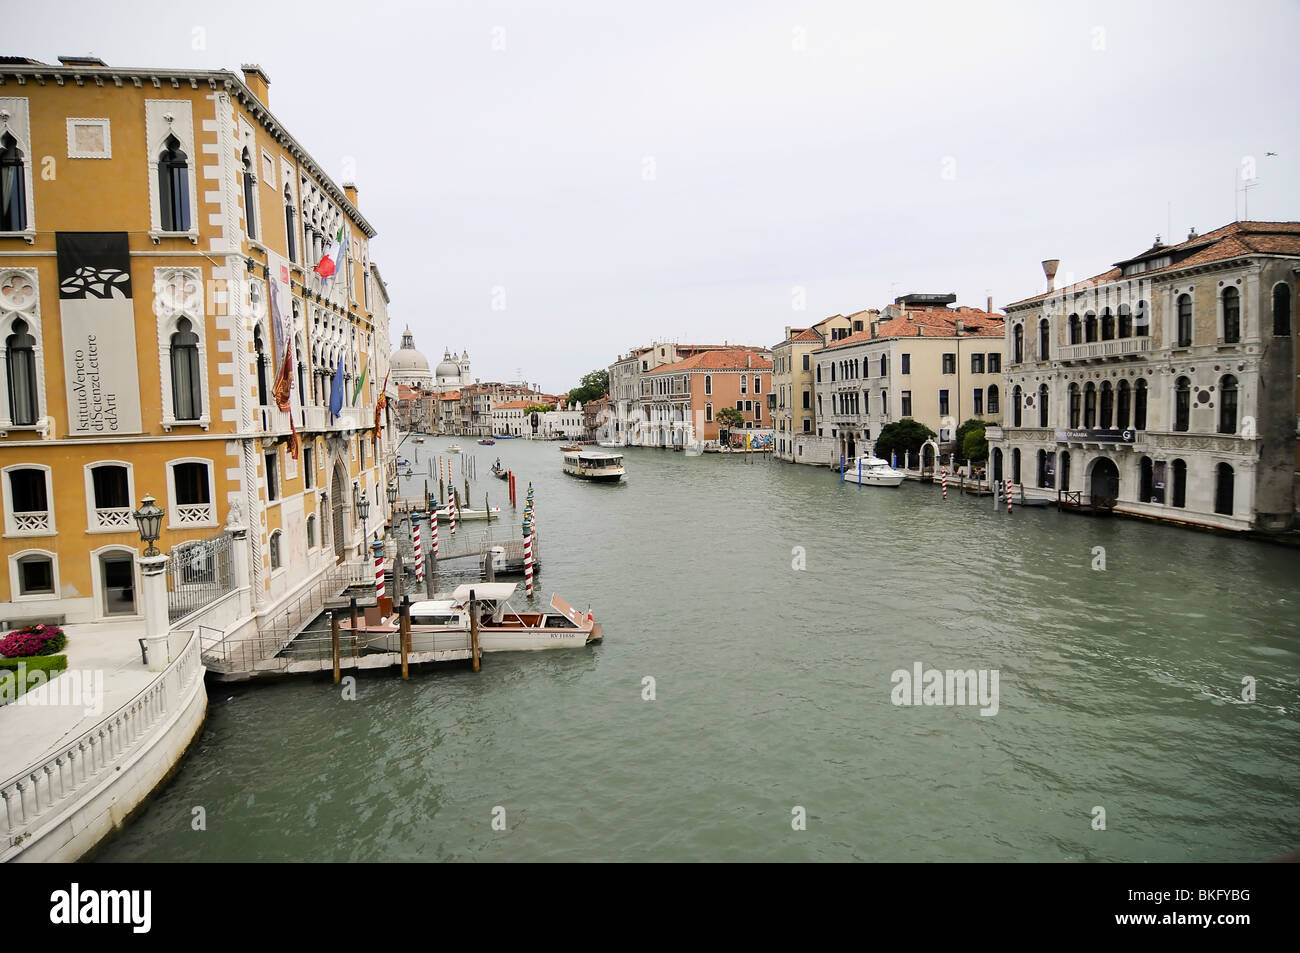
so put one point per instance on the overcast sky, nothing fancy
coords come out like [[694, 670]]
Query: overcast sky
[[554, 183]]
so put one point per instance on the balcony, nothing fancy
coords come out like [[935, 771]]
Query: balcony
[[194, 514], [32, 522], [113, 518], [1104, 350]]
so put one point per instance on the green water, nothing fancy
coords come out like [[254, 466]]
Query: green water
[[1118, 689]]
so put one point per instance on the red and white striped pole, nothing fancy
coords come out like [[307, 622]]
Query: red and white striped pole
[[419, 552], [1010, 486], [379, 570], [944, 481], [433, 532], [451, 506], [528, 563]]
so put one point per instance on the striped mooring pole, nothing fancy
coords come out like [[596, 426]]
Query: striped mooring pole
[[379, 569], [1010, 487], [419, 552], [944, 483], [433, 533], [528, 559], [451, 507]]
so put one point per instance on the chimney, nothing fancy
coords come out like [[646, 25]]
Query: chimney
[[90, 59], [960, 326], [350, 190], [1192, 234], [749, 359], [1049, 269], [787, 332], [258, 83], [989, 307]]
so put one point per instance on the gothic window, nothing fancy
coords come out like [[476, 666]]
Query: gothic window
[[13, 186], [187, 387], [1182, 405], [1231, 316], [1184, 336], [1228, 404], [174, 187], [20, 368], [250, 196]]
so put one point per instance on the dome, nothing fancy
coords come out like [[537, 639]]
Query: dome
[[409, 365], [448, 371]]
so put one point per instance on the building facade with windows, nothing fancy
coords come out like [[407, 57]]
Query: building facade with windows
[[157, 306], [918, 358], [794, 408], [680, 401], [1165, 386]]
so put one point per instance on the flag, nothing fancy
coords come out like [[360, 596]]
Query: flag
[[379, 409], [283, 385], [336, 391], [361, 382], [329, 262]]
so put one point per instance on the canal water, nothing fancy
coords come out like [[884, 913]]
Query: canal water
[[1119, 690]]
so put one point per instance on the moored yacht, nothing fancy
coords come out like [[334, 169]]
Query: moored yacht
[[872, 471]]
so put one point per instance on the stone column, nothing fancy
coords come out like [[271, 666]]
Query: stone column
[[242, 563], [153, 575]]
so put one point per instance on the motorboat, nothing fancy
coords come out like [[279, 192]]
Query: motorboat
[[464, 513], [487, 442], [596, 465], [872, 471], [454, 448], [444, 624], [570, 447], [419, 439]]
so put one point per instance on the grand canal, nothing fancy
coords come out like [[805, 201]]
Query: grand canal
[[1119, 688]]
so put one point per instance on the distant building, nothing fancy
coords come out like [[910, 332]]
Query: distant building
[[1166, 385], [794, 410], [680, 401], [508, 418]]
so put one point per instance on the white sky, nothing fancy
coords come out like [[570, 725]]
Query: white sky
[[1075, 131]]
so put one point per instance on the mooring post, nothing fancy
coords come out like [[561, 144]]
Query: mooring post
[[404, 634], [473, 628], [352, 611], [334, 640]]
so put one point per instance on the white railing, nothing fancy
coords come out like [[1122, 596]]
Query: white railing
[[38, 522], [112, 517], [194, 513], [78, 767], [1099, 350]]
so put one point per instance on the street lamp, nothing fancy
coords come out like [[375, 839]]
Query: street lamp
[[392, 498], [149, 519], [363, 510]]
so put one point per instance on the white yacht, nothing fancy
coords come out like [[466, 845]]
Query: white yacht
[[596, 465], [872, 471]]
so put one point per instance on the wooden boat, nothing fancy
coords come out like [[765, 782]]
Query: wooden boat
[[570, 447], [499, 472], [597, 465], [419, 439], [444, 624]]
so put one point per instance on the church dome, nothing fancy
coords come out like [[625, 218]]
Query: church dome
[[448, 371], [409, 366]]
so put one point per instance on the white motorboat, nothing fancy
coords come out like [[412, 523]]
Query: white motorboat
[[597, 465], [454, 448], [444, 624], [464, 513], [872, 471]]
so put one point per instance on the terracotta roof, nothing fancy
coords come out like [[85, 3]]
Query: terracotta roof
[[808, 335], [1230, 241], [732, 359], [931, 323], [514, 405], [454, 395]]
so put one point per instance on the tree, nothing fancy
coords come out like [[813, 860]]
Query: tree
[[901, 437], [976, 450], [727, 418], [594, 385], [537, 409]]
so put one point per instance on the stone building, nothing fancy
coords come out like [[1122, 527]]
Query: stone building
[[794, 410], [1165, 385]]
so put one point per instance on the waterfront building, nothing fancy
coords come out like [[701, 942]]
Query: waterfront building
[[448, 421], [680, 400], [566, 420], [508, 418], [160, 306], [595, 417], [917, 358], [1165, 385], [793, 408]]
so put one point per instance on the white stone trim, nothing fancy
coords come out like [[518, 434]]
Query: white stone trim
[[97, 582], [18, 124], [157, 129], [104, 124], [11, 310], [172, 505], [91, 511], [169, 310], [15, 595], [11, 526]]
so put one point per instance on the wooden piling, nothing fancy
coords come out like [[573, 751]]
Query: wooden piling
[[334, 638], [404, 634], [473, 629]]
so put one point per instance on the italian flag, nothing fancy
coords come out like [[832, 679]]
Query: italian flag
[[329, 262]]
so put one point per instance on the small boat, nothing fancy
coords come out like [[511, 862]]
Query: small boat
[[419, 440], [454, 448], [499, 472], [444, 624], [570, 447], [464, 513], [487, 442], [506, 436], [872, 471], [596, 465], [409, 473]]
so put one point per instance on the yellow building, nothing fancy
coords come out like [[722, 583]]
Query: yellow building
[[152, 222], [792, 377]]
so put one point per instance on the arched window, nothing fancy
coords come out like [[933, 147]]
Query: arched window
[[13, 186], [742, 376], [1042, 405], [260, 349], [1076, 407], [1146, 491], [302, 371], [1231, 316], [174, 187], [1125, 321], [1141, 320], [1044, 339], [1045, 476], [884, 365], [275, 549], [1107, 325], [1184, 336], [1228, 404], [187, 389], [993, 398], [1182, 405], [1018, 353], [1015, 405], [311, 531], [1107, 405], [708, 383], [1090, 327], [291, 237], [1223, 489], [250, 196], [819, 373], [20, 367], [1076, 330], [708, 413], [1123, 405], [1090, 405], [1140, 406], [1015, 466], [1282, 311], [1179, 497], [1065, 469]]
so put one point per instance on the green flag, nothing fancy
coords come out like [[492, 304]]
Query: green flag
[[361, 382]]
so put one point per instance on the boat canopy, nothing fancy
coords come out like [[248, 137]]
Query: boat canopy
[[436, 605], [490, 591]]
